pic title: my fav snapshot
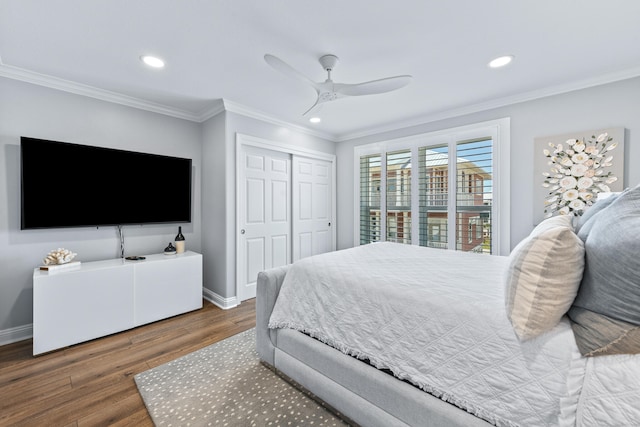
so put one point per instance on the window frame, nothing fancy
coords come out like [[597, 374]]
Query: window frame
[[498, 130]]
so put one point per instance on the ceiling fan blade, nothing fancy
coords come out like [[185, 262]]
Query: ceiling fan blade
[[279, 65], [315, 108], [375, 86]]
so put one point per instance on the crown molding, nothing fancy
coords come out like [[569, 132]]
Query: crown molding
[[495, 103], [214, 110], [259, 115], [33, 77], [218, 106]]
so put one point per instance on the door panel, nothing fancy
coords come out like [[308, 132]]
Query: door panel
[[264, 215], [255, 201], [279, 250]]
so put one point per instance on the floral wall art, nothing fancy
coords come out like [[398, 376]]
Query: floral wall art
[[572, 169]]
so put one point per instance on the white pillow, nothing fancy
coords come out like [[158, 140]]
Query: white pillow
[[543, 277]]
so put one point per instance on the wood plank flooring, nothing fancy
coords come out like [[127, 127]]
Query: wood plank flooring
[[91, 384]]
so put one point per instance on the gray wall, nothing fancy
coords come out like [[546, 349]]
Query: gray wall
[[219, 199], [30, 110], [611, 105]]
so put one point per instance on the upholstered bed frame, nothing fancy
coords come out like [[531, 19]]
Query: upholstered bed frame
[[364, 394]]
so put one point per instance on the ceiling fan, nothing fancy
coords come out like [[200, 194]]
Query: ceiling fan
[[330, 91]]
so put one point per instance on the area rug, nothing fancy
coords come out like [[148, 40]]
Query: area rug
[[225, 384]]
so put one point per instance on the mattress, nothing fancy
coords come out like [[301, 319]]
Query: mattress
[[436, 319]]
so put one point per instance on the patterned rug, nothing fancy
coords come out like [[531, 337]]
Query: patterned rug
[[225, 384]]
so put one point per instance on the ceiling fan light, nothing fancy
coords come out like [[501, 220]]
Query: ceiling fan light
[[315, 119], [501, 61], [152, 61]]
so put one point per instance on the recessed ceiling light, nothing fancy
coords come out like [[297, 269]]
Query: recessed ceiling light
[[152, 61], [501, 61], [315, 120]]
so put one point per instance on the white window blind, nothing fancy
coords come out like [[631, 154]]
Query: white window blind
[[434, 195], [451, 193], [398, 196], [474, 196], [370, 203]]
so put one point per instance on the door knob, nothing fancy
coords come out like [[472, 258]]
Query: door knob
[[242, 231]]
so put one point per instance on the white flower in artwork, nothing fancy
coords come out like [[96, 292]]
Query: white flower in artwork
[[586, 196], [580, 158], [576, 204], [578, 169], [577, 174], [579, 146], [584, 183], [566, 162], [570, 195], [568, 182]]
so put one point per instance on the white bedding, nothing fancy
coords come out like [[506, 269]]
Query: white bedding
[[436, 318]]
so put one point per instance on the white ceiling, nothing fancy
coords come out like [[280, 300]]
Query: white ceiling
[[214, 50]]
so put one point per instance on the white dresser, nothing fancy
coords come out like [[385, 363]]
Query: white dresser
[[103, 297]]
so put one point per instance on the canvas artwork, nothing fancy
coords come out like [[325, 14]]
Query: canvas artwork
[[572, 169]]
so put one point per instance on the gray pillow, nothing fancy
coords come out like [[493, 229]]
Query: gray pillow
[[610, 287], [584, 222]]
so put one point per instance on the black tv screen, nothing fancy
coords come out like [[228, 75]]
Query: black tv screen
[[73, 185]]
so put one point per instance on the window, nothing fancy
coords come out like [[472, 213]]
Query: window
[[459, 200]]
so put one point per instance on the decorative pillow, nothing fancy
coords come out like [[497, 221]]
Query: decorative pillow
[[584, 222], [610, 288], [543, 276], [597, 334]]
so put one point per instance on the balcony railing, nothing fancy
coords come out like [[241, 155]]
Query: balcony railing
[[430, 199]]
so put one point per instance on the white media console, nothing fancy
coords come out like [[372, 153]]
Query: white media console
[[103, 297]]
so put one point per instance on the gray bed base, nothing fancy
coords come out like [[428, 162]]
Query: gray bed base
[[362, 393]]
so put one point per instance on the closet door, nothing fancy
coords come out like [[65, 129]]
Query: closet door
[[312, 207], [264, 215]]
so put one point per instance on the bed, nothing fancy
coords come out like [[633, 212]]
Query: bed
[[397, 335]]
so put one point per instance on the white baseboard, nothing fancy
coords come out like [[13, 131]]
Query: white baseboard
[[214, 298], [19, 333]]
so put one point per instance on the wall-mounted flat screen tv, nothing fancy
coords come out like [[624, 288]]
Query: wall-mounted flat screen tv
[[73, 185]]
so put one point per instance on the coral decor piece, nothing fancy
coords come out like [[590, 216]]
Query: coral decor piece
[[59, 256], [577, 174]]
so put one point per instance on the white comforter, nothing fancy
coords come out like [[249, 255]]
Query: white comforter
[[436, 318]]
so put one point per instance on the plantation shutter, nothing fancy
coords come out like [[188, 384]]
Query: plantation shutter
[[447, 201], [398, 196], [434, 196], [370, 204], [474, 195]]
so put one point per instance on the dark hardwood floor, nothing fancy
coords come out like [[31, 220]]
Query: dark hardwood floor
[[91, 384]]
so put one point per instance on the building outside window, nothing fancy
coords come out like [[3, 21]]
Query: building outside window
[[467, 164]]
